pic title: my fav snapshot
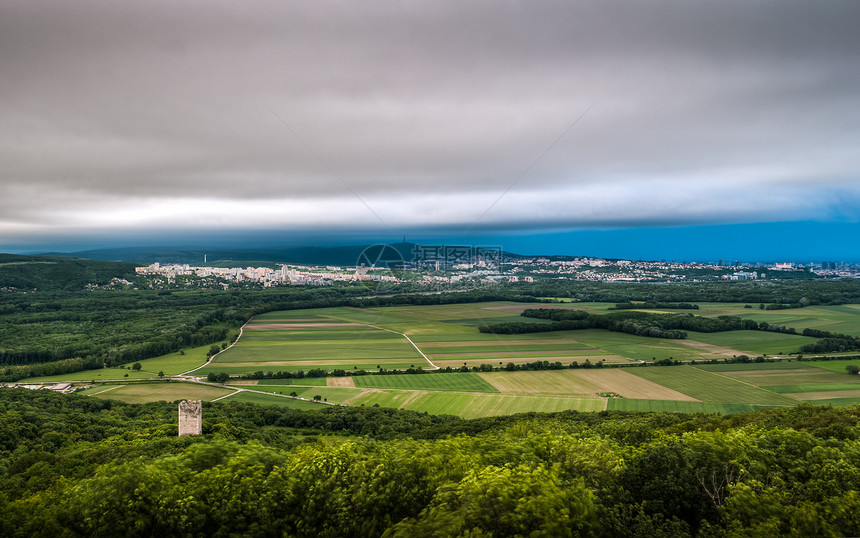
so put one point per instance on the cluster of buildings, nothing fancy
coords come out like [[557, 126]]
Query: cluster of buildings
[[64, 388], [604, 270], [265, 276], [511, 270]]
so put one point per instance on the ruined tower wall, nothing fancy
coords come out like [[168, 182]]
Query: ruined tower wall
[[190, 417]]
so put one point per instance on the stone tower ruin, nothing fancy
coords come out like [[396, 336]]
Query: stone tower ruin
[[190, 417]]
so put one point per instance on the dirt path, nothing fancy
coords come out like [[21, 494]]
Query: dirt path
[[426, 358]]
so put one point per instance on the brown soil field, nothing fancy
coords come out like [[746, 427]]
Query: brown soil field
[[340, 382], [826, 395], [789, 377], [282, 326], [245, 382], [582, 382]]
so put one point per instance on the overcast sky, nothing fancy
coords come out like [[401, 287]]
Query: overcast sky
[[174, 117]]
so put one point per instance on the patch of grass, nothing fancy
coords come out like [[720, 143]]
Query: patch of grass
[[176, 363], [636, 347], [741, 366], [754, 342], [262, 399], [710, 386], [476, 405], [659, 406], [813, 387], [87, 375], [835, 366], [171, 391], [456, 381], [306, 381], [838, 402]]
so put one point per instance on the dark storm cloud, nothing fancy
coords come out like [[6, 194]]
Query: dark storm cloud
[[157, 114]]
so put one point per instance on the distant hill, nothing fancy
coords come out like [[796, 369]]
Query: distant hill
[[343, 255], [58, 272]]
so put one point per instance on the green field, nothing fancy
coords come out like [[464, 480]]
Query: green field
[[835, 366], [176, 363], [659, 406], [814, 387], [637, 347], [262, 399], [742, 366], [754, 342], [475, 405], [306, 381], [153, 392], [330, 394], [710, 386], [102, 374], [458, 382]]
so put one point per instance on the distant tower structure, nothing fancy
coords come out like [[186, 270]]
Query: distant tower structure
[[190, 417], [204, 259]]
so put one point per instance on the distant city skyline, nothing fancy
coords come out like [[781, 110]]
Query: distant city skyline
[[631, 129]]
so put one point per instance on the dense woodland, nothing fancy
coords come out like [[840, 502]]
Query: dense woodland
[[77, 466]]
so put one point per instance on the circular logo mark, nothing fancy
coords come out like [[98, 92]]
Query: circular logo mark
[[379, 264]]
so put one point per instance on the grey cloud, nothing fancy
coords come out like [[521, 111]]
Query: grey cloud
[[106, 105]]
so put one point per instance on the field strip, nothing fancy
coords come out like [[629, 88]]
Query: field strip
[[720, 351], [291, 320], [280, 326], [747, 383], [509, 344], [412, 397], [359, 395], [107, 389], [519, 308], [340, 382], [825, 395], [233, 343], [560, 352], [426, 358], [583, 383]]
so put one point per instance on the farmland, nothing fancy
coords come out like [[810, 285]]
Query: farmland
[[153, 392], [443, 336]]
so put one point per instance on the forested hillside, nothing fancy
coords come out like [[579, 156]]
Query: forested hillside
[[72, 466], [53, 273]]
